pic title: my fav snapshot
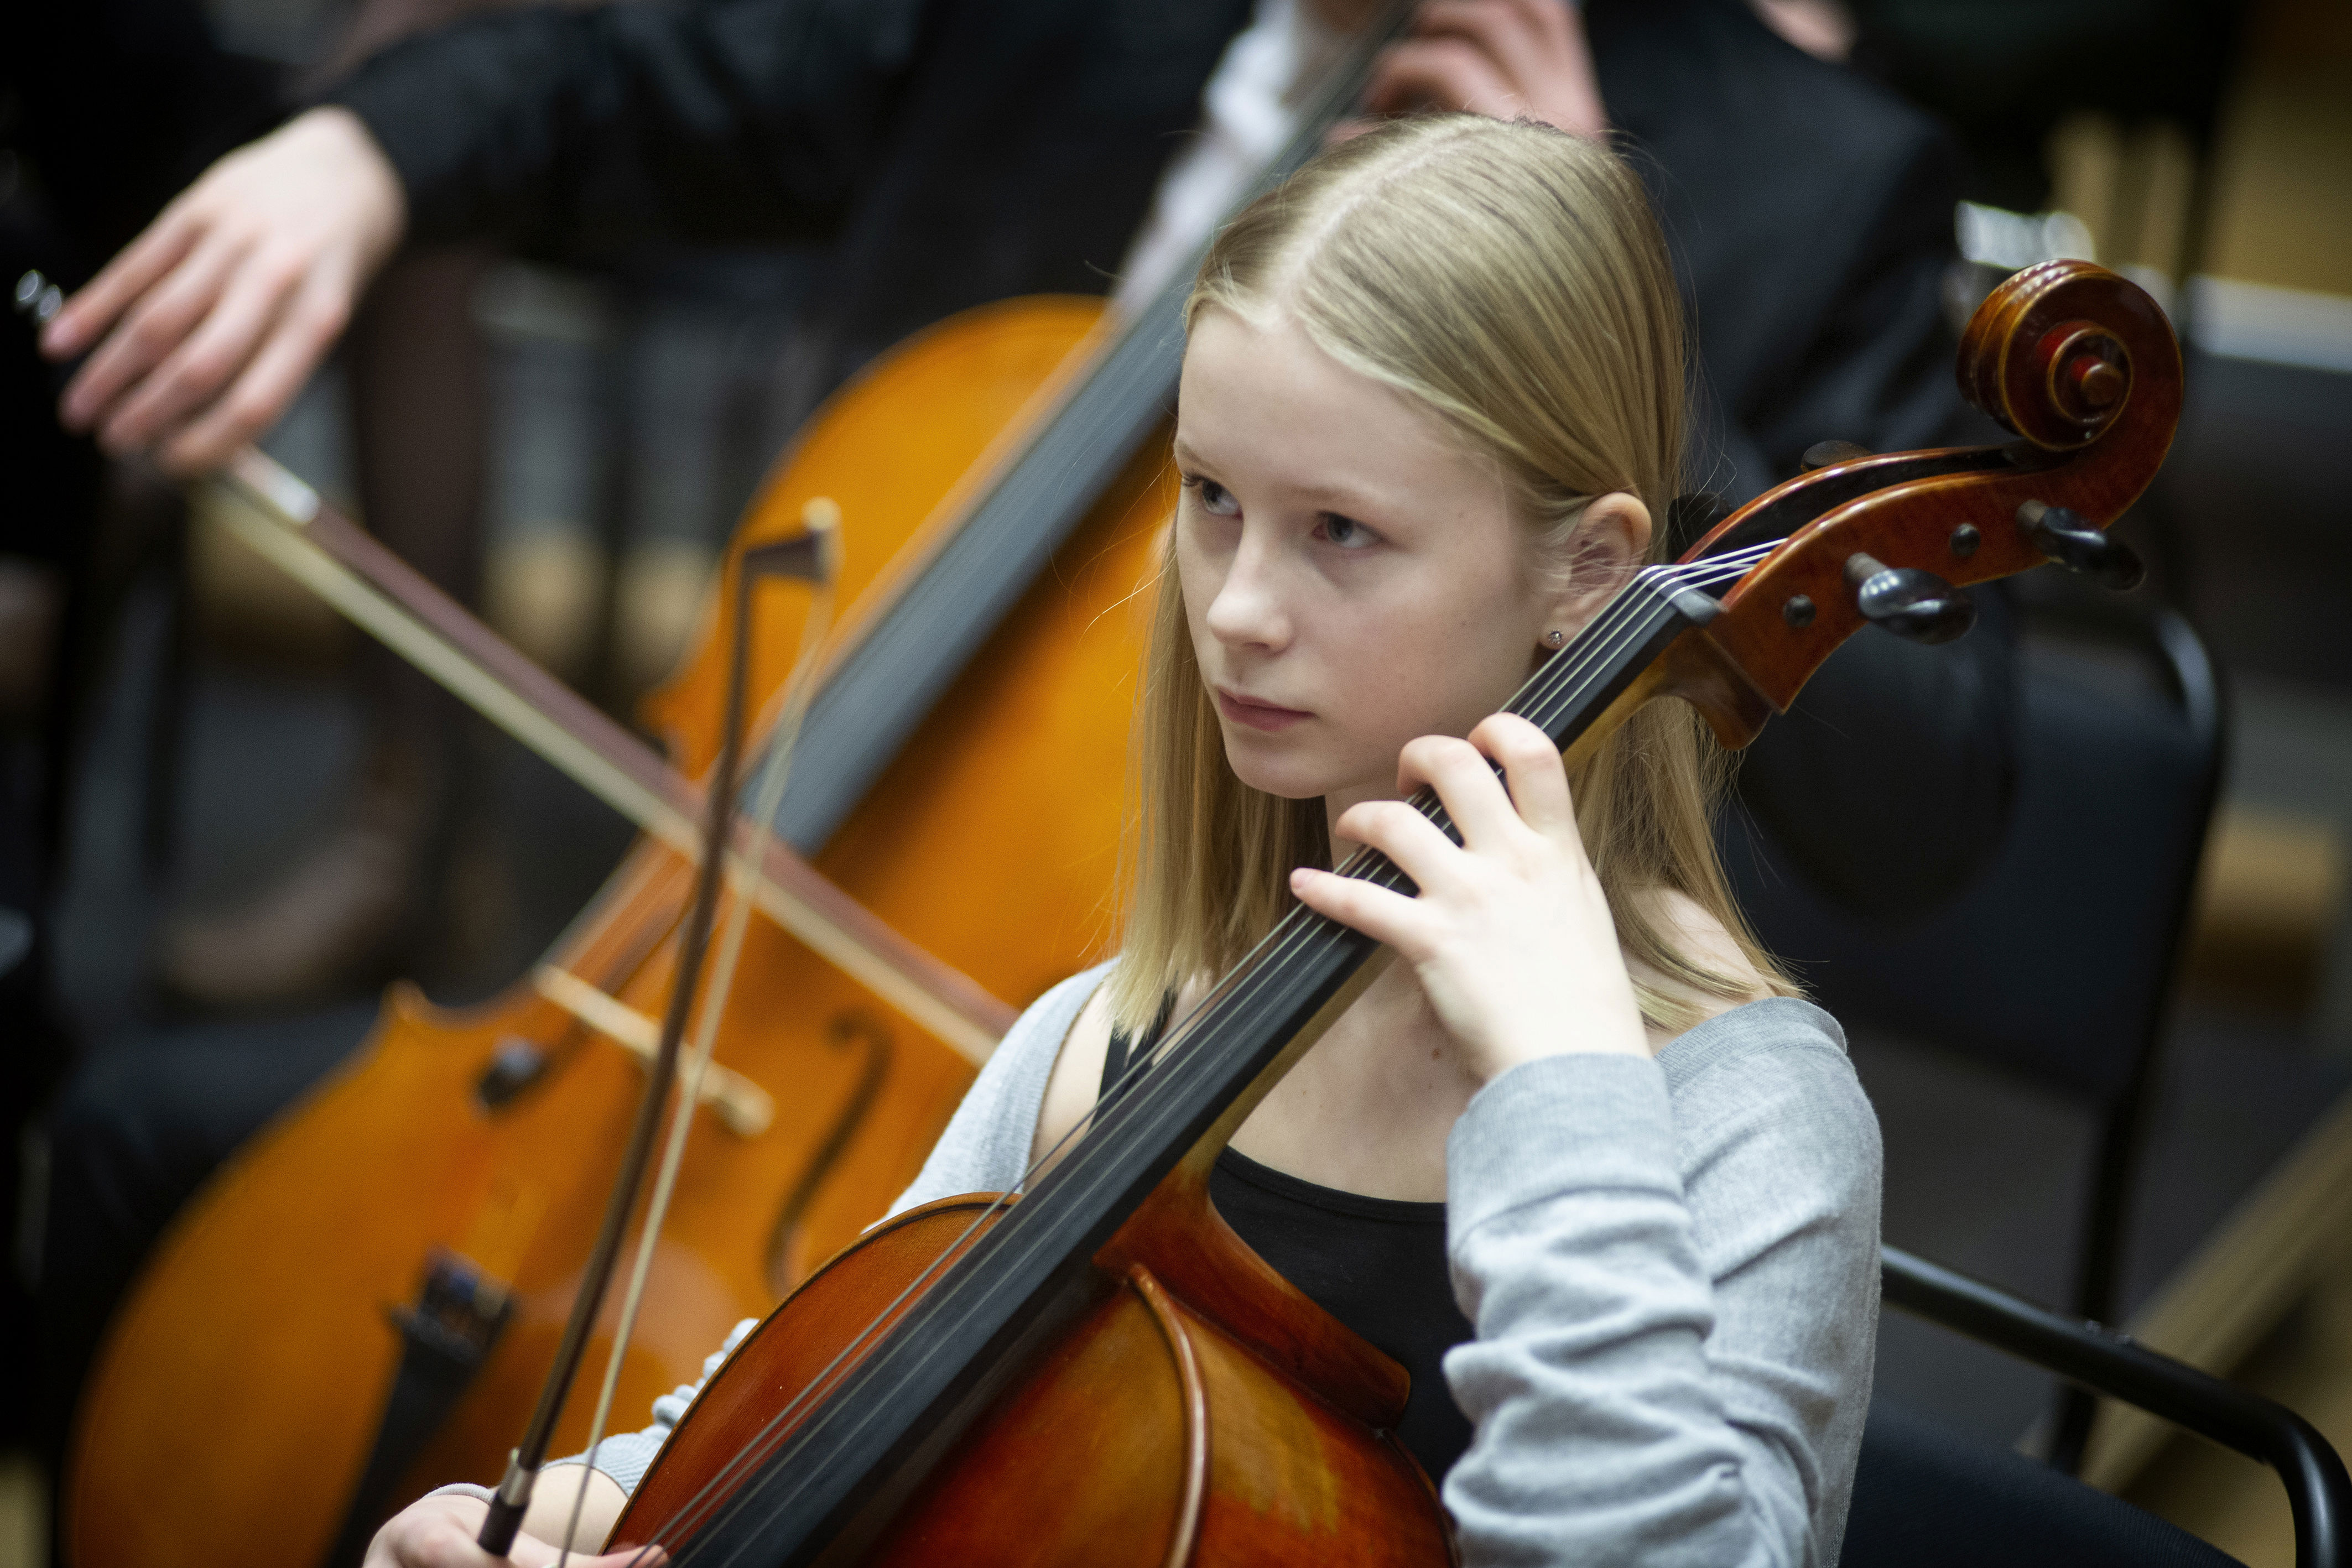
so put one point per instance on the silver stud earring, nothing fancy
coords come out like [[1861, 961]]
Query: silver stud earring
[[1554, 639]]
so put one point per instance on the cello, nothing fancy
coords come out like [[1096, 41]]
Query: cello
[[988, 552], [907, 1404]]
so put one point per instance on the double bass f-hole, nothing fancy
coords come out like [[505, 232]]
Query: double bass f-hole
[[863, 1032]]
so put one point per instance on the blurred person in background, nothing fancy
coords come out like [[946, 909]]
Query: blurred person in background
[[106, 109], [947, 156], [949, 153], [356, 906]]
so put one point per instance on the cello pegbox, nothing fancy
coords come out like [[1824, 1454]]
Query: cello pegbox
[[2077, 361]]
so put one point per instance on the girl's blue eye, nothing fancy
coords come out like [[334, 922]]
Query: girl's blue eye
[[1215, 500], [1344, 531]]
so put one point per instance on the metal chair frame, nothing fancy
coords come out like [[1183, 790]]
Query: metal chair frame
[[2101, 1361]]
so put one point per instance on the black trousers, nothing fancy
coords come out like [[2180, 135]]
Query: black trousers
[[136, 1131]]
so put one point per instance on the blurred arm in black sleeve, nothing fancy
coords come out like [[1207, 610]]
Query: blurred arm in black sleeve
[[729, 121]]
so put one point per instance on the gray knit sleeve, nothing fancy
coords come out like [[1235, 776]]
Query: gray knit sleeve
[[626, 1456], [1672, 1266], [986, 1145]]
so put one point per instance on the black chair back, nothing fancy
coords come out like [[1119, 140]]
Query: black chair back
[[2056, 963]]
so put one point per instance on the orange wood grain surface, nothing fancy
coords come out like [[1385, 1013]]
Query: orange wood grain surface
[[237, 1393]]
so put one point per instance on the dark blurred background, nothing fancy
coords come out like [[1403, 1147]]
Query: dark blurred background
[[2203, 148]]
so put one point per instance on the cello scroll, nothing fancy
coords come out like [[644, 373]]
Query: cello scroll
[[2079, 362]]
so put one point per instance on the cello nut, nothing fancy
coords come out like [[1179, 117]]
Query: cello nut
[[1798, 612]]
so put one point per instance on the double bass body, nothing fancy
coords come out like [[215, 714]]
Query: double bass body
[[237, 1398]]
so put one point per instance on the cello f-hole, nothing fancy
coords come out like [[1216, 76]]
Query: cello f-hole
[[784, 1268]]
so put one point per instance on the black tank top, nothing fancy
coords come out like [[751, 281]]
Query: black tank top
[[1376, 1264]]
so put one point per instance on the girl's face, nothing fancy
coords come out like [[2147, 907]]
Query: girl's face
[[1352, 576]]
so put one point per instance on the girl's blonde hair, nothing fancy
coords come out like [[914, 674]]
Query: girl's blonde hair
[[1512, 279]]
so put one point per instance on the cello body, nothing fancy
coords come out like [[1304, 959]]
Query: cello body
[[237, 1398], [1201, 1411]]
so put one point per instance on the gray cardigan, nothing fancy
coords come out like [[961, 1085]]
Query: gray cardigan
[[1672, 1265]]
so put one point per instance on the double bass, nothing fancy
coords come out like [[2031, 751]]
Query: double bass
[[920, 1398], [369, 1293]]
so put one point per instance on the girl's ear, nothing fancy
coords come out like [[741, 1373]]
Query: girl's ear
[[1612, 541]]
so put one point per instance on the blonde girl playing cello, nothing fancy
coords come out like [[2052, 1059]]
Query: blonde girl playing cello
[[1582, 1161]]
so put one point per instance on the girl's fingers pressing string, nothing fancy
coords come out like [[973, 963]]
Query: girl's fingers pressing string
[[1532, 770], [1416, 845], [1378, 913], [1465, 784]]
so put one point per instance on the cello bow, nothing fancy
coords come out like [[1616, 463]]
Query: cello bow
[[287, 522]]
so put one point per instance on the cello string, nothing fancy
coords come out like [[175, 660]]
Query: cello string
[[1545, 688], [1605, 640], [782, 726]]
